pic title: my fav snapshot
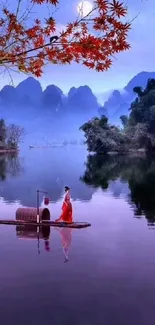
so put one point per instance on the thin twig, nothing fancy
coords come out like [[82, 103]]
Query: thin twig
[[18, 7]]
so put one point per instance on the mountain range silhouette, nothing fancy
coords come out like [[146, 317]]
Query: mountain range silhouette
[[49, 113]]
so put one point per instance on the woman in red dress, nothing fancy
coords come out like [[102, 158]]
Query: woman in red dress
[[66, 215]]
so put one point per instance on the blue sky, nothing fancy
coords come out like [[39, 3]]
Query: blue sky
[[139, 58]]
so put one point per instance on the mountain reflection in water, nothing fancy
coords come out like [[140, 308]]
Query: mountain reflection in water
[[109, 274], [130, 177], [137, 172]]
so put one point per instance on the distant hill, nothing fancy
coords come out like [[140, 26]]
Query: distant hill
[[139, 80], [119, 101], [50, 113], [29, 93], [47, 113]]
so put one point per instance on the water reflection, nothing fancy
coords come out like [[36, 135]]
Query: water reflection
[[10, 165], [130, 177], [141, 182], [34, 232], [137, 172], [43, 234], [2, 167], [53, 170], [66, 239]]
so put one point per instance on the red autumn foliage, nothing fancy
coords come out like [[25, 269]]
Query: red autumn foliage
[[91, 40]]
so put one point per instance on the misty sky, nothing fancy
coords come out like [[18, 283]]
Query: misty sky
[[139, 58]]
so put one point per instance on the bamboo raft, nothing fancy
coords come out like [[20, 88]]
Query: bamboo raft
[[45, 223]]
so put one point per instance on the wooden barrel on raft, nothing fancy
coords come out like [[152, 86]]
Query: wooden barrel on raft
[[30, 214]]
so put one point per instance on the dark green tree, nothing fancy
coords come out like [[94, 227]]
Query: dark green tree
[[138, 129], [138, 91], [142, 117], [15, 134], [124, 120], [102, 137]]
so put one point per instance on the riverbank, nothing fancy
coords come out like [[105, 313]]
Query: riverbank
[[129, 152], [9, 150]]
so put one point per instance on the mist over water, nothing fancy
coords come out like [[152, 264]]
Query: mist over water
[[107, 270], [43, 127]]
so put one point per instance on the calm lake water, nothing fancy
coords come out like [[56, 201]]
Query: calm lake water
[[100, 275]]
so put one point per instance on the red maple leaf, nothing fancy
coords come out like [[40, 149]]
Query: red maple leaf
[[91, 40]]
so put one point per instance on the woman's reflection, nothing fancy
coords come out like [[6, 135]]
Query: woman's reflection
[[66, 239], [33, 232]]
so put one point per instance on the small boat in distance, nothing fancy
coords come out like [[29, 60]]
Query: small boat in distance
[[57, 144], [47, 147]]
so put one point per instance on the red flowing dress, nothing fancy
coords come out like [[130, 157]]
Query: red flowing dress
[[66, 215]]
